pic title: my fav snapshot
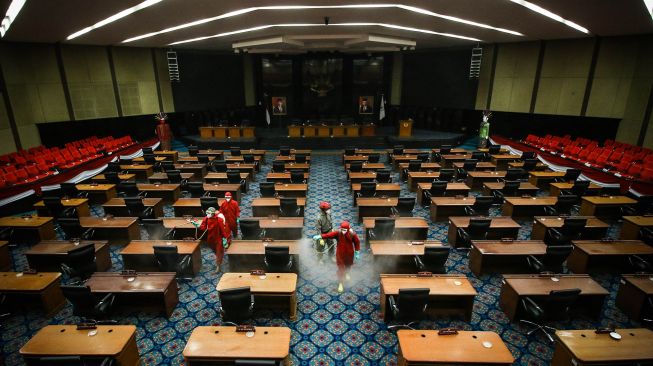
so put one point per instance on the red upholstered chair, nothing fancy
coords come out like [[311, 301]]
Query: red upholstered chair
[[10, 178], [22, 175], [635, 170], [647, 174]]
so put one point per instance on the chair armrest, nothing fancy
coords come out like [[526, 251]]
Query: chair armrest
[[67, 270], [108, 299], [535, 263], [394, 211], [393, 305], [463, 236], [69, 212], [148, 211], [88, 234], [469, 211], [170, 234], [419, 263], [527, 302], [550, 210], [82, 195]]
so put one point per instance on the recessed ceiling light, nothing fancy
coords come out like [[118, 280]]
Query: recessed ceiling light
[[306, 7], [113, 18], [12, 14], [393, 26], [649, 6], [546, 13]]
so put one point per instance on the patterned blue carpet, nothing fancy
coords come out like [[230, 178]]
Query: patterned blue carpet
[[332, 328]]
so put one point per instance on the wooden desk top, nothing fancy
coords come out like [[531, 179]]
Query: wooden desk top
[[516, 247], [289, 158], [193, 159], [450, 186], [640, 220], [120, 202], [404, 156], [180, 223], [95, 187], [487, 174], [268, 343], [642, 282], [453, 151], [499, 185], [609, 200], [406, 242], [193, 202], [280, 222], [456, 156], [241, 158], [368, 166], [556, 221], [479, 165], [189, 166], [531, 201], [377, 201], [589, 347], [17, 281], [143, 282], [420, 174], [357, 157], [547, 174], [214, 175], [401, 222], [388, 247], [273, 201], [164, 176], [62, 247], [453, 201], [221, 187], [505, 157], [56, 340], [291, 186], [498, 222], [272, 282], [536, 285], [359, 175], [136, 167], [617, 247], [147, 246], [299, 166], [437, 284], [17, 221], [99, 222], [466, 347], [567, 186], [166, 152], [422, 165], [250, 152], [142, 159], [102, 177], [257, 247], [71, 202], [210, 152], [157, 187], [379, 187]]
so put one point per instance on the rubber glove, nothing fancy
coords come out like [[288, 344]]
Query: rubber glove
[[357, 255], [317, 237], [224, 242], [237, 220], [195, 223]]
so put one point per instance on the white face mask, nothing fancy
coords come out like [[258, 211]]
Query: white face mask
[[328, 212], [209, 215], [343, 232], [228, 199]]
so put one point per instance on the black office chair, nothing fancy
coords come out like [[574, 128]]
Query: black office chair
[[300, 158], [433, 260], [529, 165], [423, 157], [70, 190], [248, 362], [193, 150], [555, 307], [528, 155], [355, 167], [202, 159], [235, 151], [278, 259], [196, 189], [267, 189], [572, 229], [7, 234], [405, 206], [368, 189], [446, 175], [147, 150], [86, 304], [68, 361], [646, 235], [563, 206], [111, 177], [251, 229], [284, 150], [514, 174], [481, 206], [639, 264], [73, 229], [479, 156], [373, 158], [150, 159], [350, 151], [130, 189], [126, 161], [278, 166], [644, 206], [413, 166], [297, 177], [174, 177], [476, 230], [438, 189], [494, 149], [398, 150], [57, 209], [579, 188], [208, 201], [236, 305], [113, 166], [169, 260], [552, 261], [570, 176], [249, 159], [469, 165], [80, 262], [383, 176], [218, 166], [384, 229], [288, 207], [409, 307], [136, 208], [445, 149], [167, 166], [156, 230], [233, 177], [510, 189]]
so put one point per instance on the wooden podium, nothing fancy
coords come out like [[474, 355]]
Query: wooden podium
[[405, 128]]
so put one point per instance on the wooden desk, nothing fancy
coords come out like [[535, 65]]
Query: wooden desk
[[633, 294], [453, 189], [367, 166], [166, 192], [526, 206], [219, 190], [255, 152], [163, 177], [191, 206], [294, 131], [591, 256], [524, 188], [495, 256], [633, 224], [604, 206], [502, 160], [141, 160], [481, 166], [244, 168], [231, 132], [398, 256], [520, 165], [375, 206], [291, 189], [368, 130], [594, 229], [422, 167], [476, 179], [222, 178], [30, 229], [115, 341], [515, 287], [5, 256], [585, 347], [266, 206], [305, 167], [406, 228], [170, 155], [268, 343], [22, 288], [348, 159], [292, 157], [500, 227], [148, 289], [101, 178], [426, 347], [48, 255], [116, 230], [382, 189], [556, 188], [281, 228], [183, 229], [141, 171], [192, 160], [117, 206], [443, 207], [360, 177], [98, 193], [273, 285], [139, 254], [395, 160], [217, 154], [199, 170], [542, 179], [79, 204], [246, 255], [449, 159], [421, 177], [454, 291], [453, 151], [281, 177]]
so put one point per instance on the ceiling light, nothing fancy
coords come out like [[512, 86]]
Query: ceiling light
[[12, 14], [392, 26], [546, 13], [649, 6], [306, 7], [113, 18]]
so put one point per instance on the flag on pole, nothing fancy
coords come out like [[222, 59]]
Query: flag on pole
[[267, 115], [382, 110]]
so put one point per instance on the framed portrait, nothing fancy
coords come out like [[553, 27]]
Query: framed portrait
[[365, 104], [279, 106]]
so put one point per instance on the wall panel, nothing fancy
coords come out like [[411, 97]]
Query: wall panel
[[514, 77], [135, 78]]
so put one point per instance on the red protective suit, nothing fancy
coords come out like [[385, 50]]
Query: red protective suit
[[217, 229], [231, 212], [347, 244], [164, 134]]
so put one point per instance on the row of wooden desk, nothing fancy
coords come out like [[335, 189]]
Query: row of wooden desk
[[332, 131], [226, 132]]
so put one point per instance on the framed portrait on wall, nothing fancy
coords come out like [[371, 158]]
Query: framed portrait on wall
[[365, 104], [279, 107]]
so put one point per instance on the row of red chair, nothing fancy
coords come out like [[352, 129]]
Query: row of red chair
[[27, 166]]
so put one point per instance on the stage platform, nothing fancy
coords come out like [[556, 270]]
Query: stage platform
[[272, 138]]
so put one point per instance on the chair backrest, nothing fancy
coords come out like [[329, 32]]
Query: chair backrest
[[398, 150], [435, 258], [350, 151], [556, 256], [149, 159], [69, 189], [278, 166], [355, 166], [193, 150], [55, 361], [423, 157], [81, 297], [126, 161], [478, 228], [71, 227], [235, 303], [414, 165], [510, 188], [284, 151], [207, 202], [383, 176], [202, 159], [135, 205], [82, 259], [573, 225], [233, 176], [167, 257], [129, 188], [445, 149], [383, 228], [529, 164], [470, 165], [373, 158], [250, 229], [368, 189], [219, 166], [412, 302], [446, 174], [514, 174], [405, 206], [112, 177], [288, 207], [167, 165], [147, 150], [235, 151], [494, 149], [154, 228], [196, 189], [438, 188], [580, 187], [646, 235], [559, 302], [113, 166], [300, 158], [565, 203], [296, 176], [267, 189], [54, 205], [277, 258], [571, 174], [528, 155], [482, 205], [248, 159], [478, 155]]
